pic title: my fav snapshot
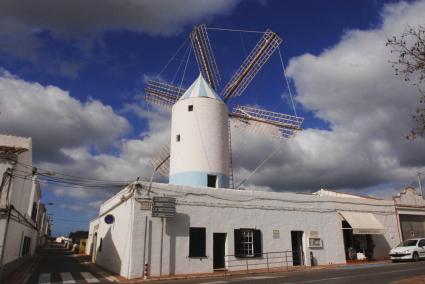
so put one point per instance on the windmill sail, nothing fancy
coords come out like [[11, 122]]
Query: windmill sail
[[205, 56], [161, 161], [263, 121], [269, 42], [162, 93]]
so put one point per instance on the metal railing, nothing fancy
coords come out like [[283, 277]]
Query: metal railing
[[268, 261]]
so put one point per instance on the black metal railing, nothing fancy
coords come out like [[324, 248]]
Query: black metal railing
[[276, 261]]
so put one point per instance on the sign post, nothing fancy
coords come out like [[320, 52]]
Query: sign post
[[163, 207]]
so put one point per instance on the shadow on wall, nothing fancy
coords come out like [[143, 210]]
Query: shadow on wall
[[178, 226], [382, 247], [107, 254]]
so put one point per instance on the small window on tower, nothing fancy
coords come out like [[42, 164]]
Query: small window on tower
[[178, 137], [190, 108], [212, 181]]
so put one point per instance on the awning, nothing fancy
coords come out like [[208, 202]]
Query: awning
[[363, 223]]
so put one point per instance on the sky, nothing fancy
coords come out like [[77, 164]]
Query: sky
[[72, 75]]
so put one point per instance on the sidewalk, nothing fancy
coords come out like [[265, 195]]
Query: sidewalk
[[249, 272], [22, 274]]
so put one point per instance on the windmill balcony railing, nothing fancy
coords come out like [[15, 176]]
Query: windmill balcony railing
[[268, 261]]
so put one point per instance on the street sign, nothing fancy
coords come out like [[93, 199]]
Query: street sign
[[164, 207], [109, 219], [145, 203]]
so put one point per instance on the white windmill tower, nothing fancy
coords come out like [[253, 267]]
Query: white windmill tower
[[200, 142]]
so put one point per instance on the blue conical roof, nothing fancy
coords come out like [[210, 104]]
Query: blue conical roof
[[200, 88]]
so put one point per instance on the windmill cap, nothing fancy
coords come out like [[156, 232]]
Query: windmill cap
[[200, 88]]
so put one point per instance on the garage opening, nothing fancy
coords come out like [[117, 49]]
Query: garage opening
[[412, 226]]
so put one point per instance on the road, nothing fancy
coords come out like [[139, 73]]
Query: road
[[364, 274], [59, 265]]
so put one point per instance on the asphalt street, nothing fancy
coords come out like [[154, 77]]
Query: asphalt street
[[59, 265], [364, 274]]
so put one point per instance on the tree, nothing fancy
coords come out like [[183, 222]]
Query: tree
[[410, 49]]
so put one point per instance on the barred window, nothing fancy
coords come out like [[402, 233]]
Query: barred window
[[248, 243]]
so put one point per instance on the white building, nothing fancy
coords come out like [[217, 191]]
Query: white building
[[216, 228], [223, 228], [20, 195], [410, 209], [199, 153]]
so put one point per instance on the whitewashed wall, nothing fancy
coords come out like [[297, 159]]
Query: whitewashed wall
[[21, 196], [222, 211], [204, 137]]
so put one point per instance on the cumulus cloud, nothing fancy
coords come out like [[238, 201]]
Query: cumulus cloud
[[353, 88], [85, 139], [55, 120]]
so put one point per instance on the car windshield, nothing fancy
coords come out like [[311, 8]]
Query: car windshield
[[408, 243]]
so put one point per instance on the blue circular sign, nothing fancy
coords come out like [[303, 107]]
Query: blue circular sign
[[109, 219]]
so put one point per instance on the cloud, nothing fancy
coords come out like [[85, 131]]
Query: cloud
[[55, 120], [160, 17], [352, 87], [26, 26]]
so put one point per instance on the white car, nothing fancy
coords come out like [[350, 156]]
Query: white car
[[412, 249]]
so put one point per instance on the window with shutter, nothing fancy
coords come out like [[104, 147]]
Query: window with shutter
[[248, 243], [197, 240]]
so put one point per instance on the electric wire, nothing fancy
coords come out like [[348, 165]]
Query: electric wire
[[180, 65], [234, 30], [172, 57], [185, 67], [63, 176], [287, 81]]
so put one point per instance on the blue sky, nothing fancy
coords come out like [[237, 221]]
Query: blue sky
[[72, 77]]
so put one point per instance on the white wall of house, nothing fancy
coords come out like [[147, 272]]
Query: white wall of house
[[21, 193], [221, 211]]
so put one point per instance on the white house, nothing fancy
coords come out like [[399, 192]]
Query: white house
[[20, 195], [410, 209], [216, 228], [223, 228]]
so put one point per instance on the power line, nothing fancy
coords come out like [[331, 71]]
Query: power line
[[59, 175]]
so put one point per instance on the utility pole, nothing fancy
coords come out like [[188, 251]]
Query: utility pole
[[420, 184]]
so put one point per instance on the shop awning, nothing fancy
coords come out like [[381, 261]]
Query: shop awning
[[363, 223]]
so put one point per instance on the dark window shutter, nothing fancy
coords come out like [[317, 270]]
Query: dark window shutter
[[197, 242], [238, 243], [258, 248]]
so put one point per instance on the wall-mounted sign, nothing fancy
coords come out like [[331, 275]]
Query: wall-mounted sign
[[315, 243], [164, 207], [275, 234], [145, 204], [109, 219]]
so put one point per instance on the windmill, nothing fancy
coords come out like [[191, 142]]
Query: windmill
[[199, 153]]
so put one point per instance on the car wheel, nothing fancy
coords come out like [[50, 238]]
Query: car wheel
[[415, 256]]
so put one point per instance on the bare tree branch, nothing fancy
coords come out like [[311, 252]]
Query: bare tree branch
[[410, 49]]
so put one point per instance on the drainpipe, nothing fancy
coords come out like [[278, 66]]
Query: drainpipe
[[9, 211]]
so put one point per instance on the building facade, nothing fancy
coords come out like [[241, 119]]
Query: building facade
[[216, 229], [21, 220]]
